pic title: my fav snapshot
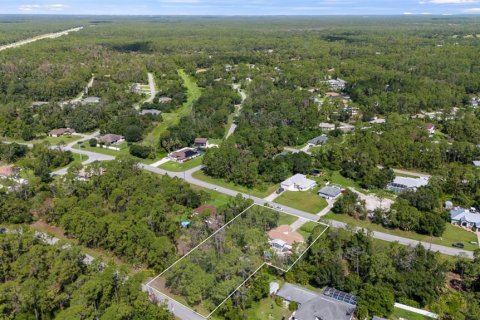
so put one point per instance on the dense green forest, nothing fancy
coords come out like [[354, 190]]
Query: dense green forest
[[41, 281]]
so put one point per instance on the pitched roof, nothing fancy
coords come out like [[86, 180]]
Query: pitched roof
[[476, 163], [201, 140], [299, 180], [319, 140], [330, 191], [410, 183], [110, 138], [462, 214]]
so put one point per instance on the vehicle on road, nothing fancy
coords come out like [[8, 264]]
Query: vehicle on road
[[280, 190], [458, 245]]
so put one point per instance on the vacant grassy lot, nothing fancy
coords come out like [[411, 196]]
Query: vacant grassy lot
[[451, 235], [260, 192], [307, 201], [178, 167]]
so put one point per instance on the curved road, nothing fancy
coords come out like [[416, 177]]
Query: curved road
[[188, 177]]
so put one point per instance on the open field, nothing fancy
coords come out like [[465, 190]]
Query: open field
[[307, 201], [451, 235], [257, 192]]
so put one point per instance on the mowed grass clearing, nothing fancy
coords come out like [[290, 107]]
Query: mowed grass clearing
[[307, 201], [260, 192], [451, 235]]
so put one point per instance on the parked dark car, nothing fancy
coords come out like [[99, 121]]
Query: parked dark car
[[280, 190], [458, 245], [3, 230]]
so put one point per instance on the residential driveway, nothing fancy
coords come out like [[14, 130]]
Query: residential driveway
[[160, 162], [298, 224], [327, 209], [153, 90], [272, 196]]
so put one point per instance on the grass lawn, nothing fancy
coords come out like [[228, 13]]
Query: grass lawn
[[451, 235], [260, 192], [217, 199], [85, 146], [307, 201], [178, 167], [171, 119], [399, 313], [307, 228], [267, 309], [286, 219]]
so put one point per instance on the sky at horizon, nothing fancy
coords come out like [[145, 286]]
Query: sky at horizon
[[241, 7]]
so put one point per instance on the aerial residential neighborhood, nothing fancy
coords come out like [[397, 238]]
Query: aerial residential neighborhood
[[286, 160]]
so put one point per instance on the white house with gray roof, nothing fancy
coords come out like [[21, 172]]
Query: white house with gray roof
[[469, 218], [298, 182], [400, 184]]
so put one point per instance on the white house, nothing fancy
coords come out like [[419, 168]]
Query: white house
[[325, 126], [400, 184], [298, 182], [469, 218]]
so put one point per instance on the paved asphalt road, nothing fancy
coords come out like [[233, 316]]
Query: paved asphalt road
[[178, 309], [233, 126], [153, 90], [45, 36]]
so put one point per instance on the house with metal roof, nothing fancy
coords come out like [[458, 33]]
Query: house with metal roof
[[469, 218], [331, 304], [330, 192], [400, 184], [476, 163], [318, 140], [298, 182], [325, 126]]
